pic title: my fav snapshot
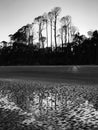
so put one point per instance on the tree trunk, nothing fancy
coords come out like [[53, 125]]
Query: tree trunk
[[39, 33], [51, 34], [55, 22], [47, 33], [32, 40], [65, 35], [62, 39]]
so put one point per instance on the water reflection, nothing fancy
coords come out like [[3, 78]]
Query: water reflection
[[58, 109], [52, 108]]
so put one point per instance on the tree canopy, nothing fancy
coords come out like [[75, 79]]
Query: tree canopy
[[50, 40]]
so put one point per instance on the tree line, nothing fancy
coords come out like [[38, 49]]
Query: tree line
[[50, 40]]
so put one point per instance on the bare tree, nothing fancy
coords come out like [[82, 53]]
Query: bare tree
[[39, 20], [45, 20], [28, 33], [50, 16], [61, 30], [66, 23], [56, 11], [42, 39], [74, 31], [64, 27], [32, 34]]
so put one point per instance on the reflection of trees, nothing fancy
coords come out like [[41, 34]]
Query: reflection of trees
[[55, 106]]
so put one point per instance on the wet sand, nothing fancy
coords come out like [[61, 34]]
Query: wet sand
[[87, 74]]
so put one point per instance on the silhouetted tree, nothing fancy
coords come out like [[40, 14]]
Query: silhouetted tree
[[73, 31], [20, 36], [39, 20], [64, 27], [68, 23], [95, 35], [42, 39], [56, 12], [95, 44], [90, 34], [31, 37], [23, 51], [11, 41], [61, 30], [45, 20], [4, 43], [78, 39], [50, 16], [28, 33]]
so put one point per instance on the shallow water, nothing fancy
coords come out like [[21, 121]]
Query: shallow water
[[51, 73], [55, 107]]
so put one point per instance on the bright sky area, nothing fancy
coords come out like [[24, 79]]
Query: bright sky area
[[17, 13]]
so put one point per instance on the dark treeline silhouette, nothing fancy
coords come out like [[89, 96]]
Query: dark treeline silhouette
[[30, 45]]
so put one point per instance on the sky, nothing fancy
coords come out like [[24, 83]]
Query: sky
[[16, 13]]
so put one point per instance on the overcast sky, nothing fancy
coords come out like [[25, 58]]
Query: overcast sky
[[17, 13]]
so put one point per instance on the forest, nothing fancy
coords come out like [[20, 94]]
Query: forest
[[50, 40]]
